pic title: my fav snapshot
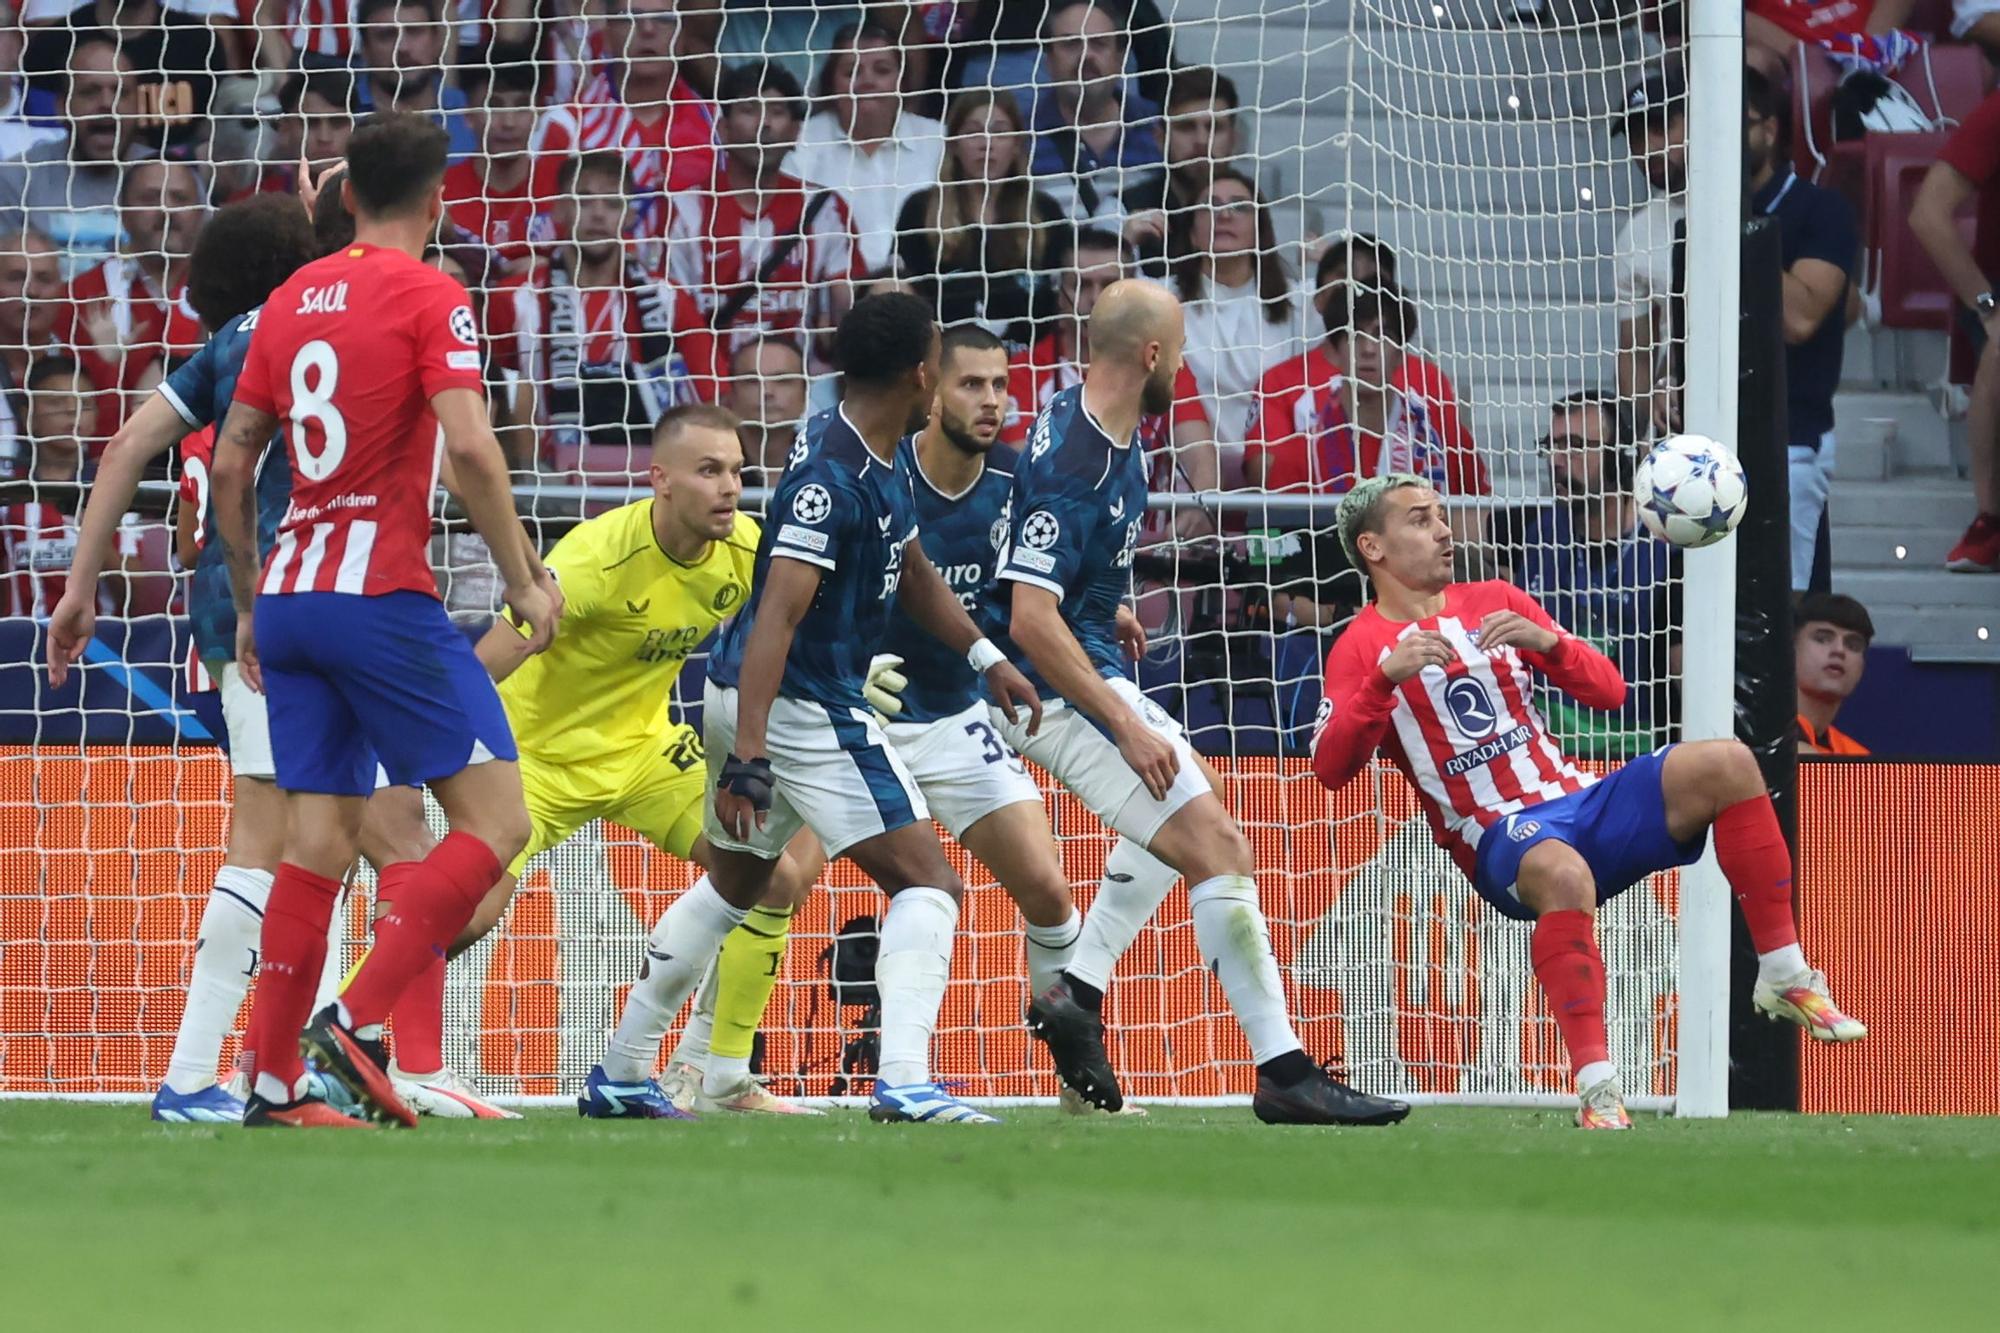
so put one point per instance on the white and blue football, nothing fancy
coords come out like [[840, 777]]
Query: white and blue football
[[1690, 491]]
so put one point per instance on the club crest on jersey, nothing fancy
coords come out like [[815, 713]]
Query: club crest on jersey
[[727, 596], [812, 504], [1040, 530], [1471, 707]]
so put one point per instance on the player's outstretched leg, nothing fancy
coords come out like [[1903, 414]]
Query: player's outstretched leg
[[296, 920], [678, 952], [738, 990], [225, 958], [1204, 842], [395, 839], [1718, 784], [1555, 882], [912, 971]]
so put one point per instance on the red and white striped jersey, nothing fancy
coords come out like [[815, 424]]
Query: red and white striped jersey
[[1466, 735], [671, 150], [197, 451], [718, 240], [348, 353], [37, 547], [150, 327]]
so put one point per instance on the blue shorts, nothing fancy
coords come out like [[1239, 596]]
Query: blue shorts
[[351, 681], [1618, 826]]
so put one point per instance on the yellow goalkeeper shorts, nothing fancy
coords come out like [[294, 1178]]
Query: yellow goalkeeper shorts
[[658, 795]]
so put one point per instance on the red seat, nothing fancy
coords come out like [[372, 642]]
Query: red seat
[[1914, 294], [1930, 18], [1948, 81]]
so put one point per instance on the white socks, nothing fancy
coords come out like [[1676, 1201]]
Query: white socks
[[911, 972], [1593, 1074], [1049, 951], [1781, 965], [678, 953], [1235, 944], [232, 928], [1135, 883], [692, 1048]]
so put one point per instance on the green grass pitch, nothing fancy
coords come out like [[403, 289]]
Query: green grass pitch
[[1459, 1219]]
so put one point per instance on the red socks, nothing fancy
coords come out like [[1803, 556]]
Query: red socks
[[1571, 971], [417, 1021], [432, 905], [294, 952], [1751, 849]]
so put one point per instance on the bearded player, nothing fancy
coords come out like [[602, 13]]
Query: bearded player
[[1079, 499], [973, 783], [371, 358], [1437, 675], [790, 742]]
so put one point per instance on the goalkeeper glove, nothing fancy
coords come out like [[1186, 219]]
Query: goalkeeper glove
[[884, 683]]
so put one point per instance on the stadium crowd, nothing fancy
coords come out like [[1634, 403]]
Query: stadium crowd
[[649, 211]]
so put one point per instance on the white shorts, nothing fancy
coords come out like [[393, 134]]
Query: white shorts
[[836, 774], [963, 768], [249, 725], [1081, 757]]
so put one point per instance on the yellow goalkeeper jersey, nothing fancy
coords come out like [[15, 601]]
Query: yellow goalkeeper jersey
[[631, 615]]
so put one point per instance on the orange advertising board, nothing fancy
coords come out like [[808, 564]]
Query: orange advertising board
[[1392, 963]]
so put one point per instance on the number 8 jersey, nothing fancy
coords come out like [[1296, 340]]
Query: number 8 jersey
[[348, 354]]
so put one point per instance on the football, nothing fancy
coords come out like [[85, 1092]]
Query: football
[[1690, 491]]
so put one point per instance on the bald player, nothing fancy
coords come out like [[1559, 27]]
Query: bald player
[[1079, 498], [643, 586]]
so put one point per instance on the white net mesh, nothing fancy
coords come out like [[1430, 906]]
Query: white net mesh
[[625, 203]]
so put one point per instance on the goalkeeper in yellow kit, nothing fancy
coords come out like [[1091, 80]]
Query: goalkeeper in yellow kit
[[643, 585]]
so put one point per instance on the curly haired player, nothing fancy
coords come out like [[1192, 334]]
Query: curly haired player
[[1436, 674]]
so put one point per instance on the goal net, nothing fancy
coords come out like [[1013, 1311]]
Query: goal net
[[1484, 195]]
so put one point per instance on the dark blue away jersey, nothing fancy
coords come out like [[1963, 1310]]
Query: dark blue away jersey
[[1079, 498], [962, 536], [844, 510], [201, 390]]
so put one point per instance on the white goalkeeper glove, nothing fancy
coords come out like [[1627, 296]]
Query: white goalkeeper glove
[[884, 683]]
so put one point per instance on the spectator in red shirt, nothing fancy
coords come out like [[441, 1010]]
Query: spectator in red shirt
[[1968, 169], [767, 392], [1866, 32], [977, 243], [490, 194], [31, 289], [590, 329], [758, 252], [129, 318], [636, 103], [1321, 428], [1180, 447]]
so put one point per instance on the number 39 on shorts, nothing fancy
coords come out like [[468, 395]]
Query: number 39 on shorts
[[315, 376]]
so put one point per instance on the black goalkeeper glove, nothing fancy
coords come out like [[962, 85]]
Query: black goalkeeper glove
[[749, 778]]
